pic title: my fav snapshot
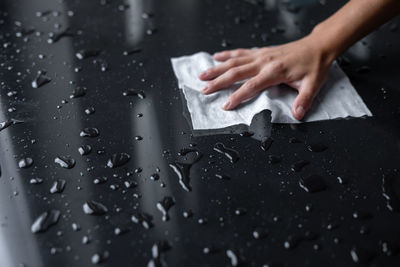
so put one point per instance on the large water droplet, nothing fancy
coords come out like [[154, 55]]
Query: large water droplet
[[8, 123], [266, 143], [40, 80], [84, 150], [182, 170], [94, 208], [312, 183], [58, 186], [299, 165], [164, 205], [118, 159], [57, 36], [89, 132], [25, 162], [134, 92], [45, 220], [78, 92], [230, 153], [65, 162]]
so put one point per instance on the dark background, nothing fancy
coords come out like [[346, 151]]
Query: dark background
[[359, 150]]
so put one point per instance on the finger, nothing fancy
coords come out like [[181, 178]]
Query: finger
[[230, 77], [223, 67], [224, 55], [307, 92], [248, 90]]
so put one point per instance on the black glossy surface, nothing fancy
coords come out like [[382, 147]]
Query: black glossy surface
[[254, 213]]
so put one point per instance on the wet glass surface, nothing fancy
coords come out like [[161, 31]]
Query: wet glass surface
[[90, 83]]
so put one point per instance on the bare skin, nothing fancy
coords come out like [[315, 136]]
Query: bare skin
[[302, 64]]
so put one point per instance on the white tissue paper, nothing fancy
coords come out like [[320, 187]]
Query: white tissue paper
[[336, 99]]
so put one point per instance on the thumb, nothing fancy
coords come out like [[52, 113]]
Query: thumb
[[307, 92]]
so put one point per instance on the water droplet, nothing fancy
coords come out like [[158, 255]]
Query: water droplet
[[100, 257], [233, 257], [299, 165], [89, 132], [240, 211], [226, 43], [36, 181], [294, 240], [84, 150], [182, 170], [164, 205], [187, 214], [362, 215], [246, 134], [45, 220], [341, 180], [390, 183], [131, 52], [78, 92], [202, 221], [8, 123], [222, 176], [266, 143], [40, 80], [317, 147], [86, 53], [25, 162], [134, 92], [76, 227], [389, 248], [273, 159], [312, 183], [151, 31], [155, 177], [85, 240], [58, 186], [65, 162], [360, 255], [130, 184], [94, 208], [90, 110], [230, 153], [209, 250], [119, 231], [143, 218], [159, 248], [118, 159], [57, 36], [185, 151], [260, 233], [100, 180]]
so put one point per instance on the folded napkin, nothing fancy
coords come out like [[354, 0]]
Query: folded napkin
[[337, 98]]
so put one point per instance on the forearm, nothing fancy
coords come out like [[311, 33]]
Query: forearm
[[351, 23]]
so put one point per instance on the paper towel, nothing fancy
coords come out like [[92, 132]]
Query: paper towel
[[336, 99]]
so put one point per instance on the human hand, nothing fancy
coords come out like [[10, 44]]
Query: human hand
[[300, 64]]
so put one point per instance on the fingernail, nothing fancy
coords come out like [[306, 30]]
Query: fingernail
[[300, 111], [227, 105], [205, 89]]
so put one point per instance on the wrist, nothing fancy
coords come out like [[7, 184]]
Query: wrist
[[319, 41]]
